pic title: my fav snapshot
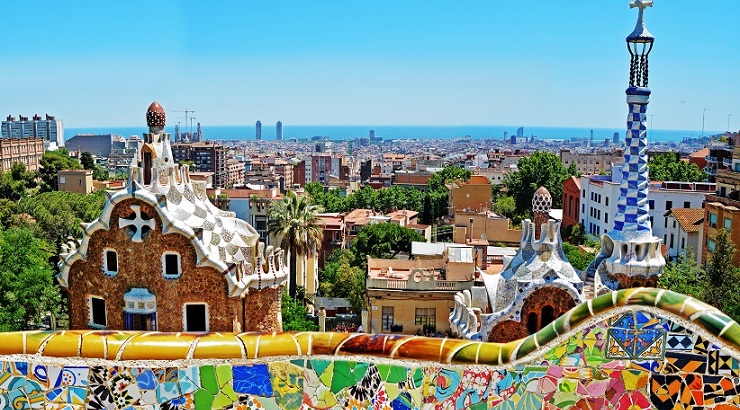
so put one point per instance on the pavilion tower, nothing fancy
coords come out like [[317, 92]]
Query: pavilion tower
[[630, 254]]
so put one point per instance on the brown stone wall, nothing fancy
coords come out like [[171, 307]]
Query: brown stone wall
[[559, 299], [627, 282], [140, 266], [507, 331], [262, 310]]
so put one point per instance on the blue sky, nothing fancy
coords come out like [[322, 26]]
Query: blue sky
[[536, 63]]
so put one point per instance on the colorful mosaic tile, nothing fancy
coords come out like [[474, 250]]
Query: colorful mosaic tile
[[635, 358]]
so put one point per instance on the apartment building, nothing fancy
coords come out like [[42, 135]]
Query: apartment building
[[722, 207], [591, 163], [599, 195], [27, 151]]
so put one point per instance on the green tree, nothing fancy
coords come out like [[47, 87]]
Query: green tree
[[17, 183], [295, 223], [669, 167], [51, 163], [446, 175], [384, 241], [342, 279], [573, 170], [578, 258], [684, 276], [722, 285], [539, 169], [27, 289], [504, 205], [87, 160], [295, 315], [59, 214]]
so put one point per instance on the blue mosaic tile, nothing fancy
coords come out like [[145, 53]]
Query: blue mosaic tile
[[253, 380]]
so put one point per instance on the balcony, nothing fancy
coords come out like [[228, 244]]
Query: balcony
[[422, 285], [711, 159], [710, 171], [727, 162]]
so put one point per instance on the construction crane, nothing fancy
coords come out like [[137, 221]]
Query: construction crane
[[186, 111]]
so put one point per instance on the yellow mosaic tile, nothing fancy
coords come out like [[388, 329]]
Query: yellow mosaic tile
[[64, 344], [11, 343], [218, 346], [163, 346], [278, 344]]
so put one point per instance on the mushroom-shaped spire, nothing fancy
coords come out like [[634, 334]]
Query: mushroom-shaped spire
[[155, 117], [541, 205], [541, 201]]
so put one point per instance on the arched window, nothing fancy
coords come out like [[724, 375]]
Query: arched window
[[532, 323], [548, 315]]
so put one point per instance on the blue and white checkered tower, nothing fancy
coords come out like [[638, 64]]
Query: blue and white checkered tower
[[630, 255]]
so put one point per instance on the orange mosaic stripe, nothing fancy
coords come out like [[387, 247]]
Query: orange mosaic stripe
[[130, 345]]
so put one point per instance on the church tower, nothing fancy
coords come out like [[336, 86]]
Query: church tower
[[630, 254]]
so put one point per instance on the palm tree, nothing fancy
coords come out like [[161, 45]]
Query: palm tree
[[294, 222]]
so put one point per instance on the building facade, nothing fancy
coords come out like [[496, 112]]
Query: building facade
[[48, 128], [722, 208], [571, 201], [162, 257], [27, 151]]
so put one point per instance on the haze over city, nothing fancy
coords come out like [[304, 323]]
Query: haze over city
[[536, 63]]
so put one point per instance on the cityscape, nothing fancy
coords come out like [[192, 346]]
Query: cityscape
[[189, 259]]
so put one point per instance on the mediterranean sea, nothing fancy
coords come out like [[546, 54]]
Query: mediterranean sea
[[388, 132]]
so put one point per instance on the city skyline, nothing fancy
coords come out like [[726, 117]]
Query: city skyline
[[386, 63]]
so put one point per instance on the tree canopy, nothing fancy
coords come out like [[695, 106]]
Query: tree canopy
[[448, 174], [539, 169], [27, 289], [51, 163], [669, 167], [384, 241], [58, 214]]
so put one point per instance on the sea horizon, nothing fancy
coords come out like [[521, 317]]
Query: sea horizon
[[390, 132]]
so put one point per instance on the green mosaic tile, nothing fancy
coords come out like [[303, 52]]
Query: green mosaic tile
[[526, 347], [203, 399], [347, 374], [602, 303], [287, 384], [713, 321], [319, 365], [417, 378], [208, 379], [224, 375], [392, 373], [579, 314]]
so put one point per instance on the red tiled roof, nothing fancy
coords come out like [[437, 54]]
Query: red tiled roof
[[689, 218]]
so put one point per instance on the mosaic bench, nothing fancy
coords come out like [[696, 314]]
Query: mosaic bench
[[632, 349]]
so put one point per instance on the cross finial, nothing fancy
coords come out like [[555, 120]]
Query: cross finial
[[136, 224], [642, 4]]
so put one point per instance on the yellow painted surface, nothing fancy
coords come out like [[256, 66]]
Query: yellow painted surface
[[404, 309]]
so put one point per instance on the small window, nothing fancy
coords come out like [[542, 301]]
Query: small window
[[651, 204], [171, 266], [711, 244], [606, 217], [713, 220], [728, 224], [607, 201], [110, 262], [668, 205], [426, 317], [387, 318], [687, 204], [97, 314], [195, 317]]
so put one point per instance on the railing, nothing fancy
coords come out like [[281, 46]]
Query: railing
[[710, 171], [727, 162], [422, 285], [710, 158]]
